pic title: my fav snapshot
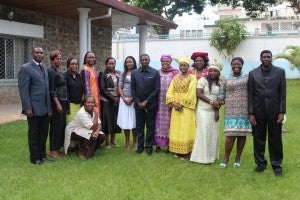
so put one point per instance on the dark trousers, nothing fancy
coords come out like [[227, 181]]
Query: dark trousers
[[88, 147], [274, 142], [57, 127], [37, 136], [145, 118]]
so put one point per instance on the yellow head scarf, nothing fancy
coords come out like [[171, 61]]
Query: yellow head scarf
[[184, 59]]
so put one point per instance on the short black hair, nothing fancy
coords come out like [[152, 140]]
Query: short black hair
[[108, 59], [144, 54], [237, 58], [266, 51]]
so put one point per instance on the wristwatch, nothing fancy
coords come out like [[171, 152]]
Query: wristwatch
[[211, 102]]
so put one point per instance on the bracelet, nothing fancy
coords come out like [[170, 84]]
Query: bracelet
[[211, 102]]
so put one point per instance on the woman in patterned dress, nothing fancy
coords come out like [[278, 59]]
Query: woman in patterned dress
[[236, 122], [163, 116], [181, 96]]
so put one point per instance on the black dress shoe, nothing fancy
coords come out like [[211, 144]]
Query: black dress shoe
[[36, 162], [259, 169], [278, 172]]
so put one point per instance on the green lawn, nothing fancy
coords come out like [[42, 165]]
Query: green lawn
[[119, 174]]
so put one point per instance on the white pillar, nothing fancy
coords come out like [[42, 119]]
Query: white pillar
[[142, 38], [83, 32]]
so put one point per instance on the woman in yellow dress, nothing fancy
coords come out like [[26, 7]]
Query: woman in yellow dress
[[181, 96]]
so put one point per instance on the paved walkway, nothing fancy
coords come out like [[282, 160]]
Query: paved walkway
[[11, 113]]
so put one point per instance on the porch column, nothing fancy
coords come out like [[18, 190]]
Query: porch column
[[142, 38], [83, 32]]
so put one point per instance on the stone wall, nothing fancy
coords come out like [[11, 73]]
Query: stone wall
[[9, 93], [59, 33]]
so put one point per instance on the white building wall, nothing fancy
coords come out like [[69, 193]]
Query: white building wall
[[249, 50], [179, 48]]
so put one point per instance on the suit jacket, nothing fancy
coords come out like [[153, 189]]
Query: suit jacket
[[267, 96], [34, 91], [145, 85], [107, 87]]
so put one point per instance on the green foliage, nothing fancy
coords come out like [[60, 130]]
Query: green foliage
[[169, 8], [227, 36], [292, 55]]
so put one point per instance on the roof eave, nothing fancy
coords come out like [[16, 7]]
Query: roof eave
[[123, 7]]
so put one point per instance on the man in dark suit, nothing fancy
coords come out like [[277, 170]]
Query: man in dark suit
[[35, 97], [145, 86], [266, 108]]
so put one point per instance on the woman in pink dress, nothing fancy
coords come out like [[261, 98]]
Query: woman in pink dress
[[162, 123]]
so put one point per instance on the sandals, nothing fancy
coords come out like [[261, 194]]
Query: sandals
[[236, 164], [223, 165]]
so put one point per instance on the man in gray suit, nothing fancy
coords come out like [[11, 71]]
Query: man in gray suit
[[35, 97], [266, 108]]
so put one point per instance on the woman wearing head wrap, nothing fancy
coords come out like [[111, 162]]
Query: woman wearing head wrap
[[181, 97], [236, 122], [206, 146], [163, 116], [200, 64]]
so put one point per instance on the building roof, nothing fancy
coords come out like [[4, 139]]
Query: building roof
[[123, 15]]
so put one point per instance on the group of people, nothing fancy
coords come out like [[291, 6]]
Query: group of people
[[166, 108]]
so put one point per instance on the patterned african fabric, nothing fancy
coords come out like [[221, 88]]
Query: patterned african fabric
[[234, 93], [183, 123], [90, 81], [206, 146], [203, 74], [162, 122]]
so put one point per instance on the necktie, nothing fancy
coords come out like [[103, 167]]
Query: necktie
[[41, 68]]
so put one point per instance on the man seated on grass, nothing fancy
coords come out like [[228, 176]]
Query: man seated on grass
[[85, 128]]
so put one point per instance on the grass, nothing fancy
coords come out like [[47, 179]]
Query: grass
[[119, 174]]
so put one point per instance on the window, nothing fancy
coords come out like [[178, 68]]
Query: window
[[14, 52], [188, 33], [194, 33], [199, 33]]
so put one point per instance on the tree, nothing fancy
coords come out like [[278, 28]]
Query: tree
[[168, 9], [227, 36], [291, 54], [254, 7]]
